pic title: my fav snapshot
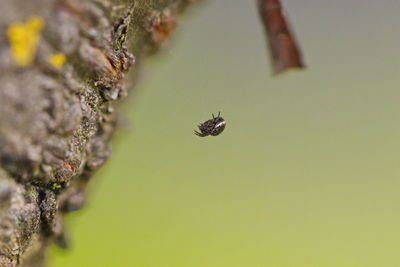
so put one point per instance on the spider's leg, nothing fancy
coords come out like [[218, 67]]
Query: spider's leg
[[212, 115], [198, 134], [219, 113]]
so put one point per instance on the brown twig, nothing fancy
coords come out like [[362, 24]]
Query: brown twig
[[284, 50]]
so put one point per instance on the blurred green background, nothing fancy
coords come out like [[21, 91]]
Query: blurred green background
[[306, 172]]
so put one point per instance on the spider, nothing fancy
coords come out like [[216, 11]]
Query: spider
[[213, 127]]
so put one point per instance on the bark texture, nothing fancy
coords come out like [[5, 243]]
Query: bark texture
[[56, 117]]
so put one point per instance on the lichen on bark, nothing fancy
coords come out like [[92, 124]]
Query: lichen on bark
[[56, 117]]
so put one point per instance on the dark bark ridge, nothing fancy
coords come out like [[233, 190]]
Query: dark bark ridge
[[56, 121]]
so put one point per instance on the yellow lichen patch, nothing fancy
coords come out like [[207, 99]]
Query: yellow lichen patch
[[56, 186], [23, 38], [57, 60]]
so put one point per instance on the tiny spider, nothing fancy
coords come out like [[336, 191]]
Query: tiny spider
[[213, 127]]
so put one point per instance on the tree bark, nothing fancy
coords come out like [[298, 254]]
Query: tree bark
[[62, 72]]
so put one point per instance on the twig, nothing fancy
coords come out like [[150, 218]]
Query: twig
[[284, 50]]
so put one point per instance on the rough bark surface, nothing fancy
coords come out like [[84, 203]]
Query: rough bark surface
[[56, 118]]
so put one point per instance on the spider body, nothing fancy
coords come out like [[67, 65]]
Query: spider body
[[213, 127]]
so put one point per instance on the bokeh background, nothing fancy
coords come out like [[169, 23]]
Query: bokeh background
[[306, 172]]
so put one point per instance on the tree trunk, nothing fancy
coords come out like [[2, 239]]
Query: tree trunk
[[62, 68]]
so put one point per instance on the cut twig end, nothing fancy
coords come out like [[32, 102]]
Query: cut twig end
[[284, 50]]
